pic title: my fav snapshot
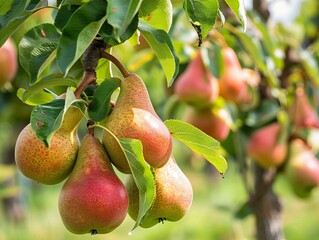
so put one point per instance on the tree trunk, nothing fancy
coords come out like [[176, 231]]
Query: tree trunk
[[266, 206]]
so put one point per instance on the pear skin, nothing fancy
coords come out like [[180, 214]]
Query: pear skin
[[302, 169], [8, 62], [174, 195], [49, 165], [93, 199], [263, 148], [302, 113], [134, 117], [215, 124], [197, 86]]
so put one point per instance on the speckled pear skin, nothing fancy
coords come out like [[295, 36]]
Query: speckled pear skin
[[93, 199], [134, 117], [174, 195], [54, 164]]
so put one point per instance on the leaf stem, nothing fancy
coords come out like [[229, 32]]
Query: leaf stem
[[116, 62]]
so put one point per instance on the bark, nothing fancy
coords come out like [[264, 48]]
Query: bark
[[267, 207]]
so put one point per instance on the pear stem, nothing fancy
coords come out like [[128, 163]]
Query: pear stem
[[90, 126], [116, 62]]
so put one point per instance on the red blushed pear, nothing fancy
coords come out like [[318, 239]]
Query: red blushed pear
[[302, 168], [93, 199], [8, 62], [265, 146], [134, 117], [215, 123], [302, 113], [232, 83], [197, 86]]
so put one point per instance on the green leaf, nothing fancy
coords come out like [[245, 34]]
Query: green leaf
[[199, 142], [158, 14], [44, 117], [107, 32], [5, 6], [48, 82], [63, 15], [202, 15], [120, 14], [37, 98], [47, 118], [79, 32], [237, 6], [143, 175], [161, 44], [310, 65], [36, 47], [100, 105]]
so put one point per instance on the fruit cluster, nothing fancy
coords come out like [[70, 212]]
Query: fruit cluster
[[93, 199], [284, 145], [197, 87]]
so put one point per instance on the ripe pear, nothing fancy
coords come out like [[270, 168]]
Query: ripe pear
[[134, 117], [232, 83], [93, 199], [174, 195], [302, 113], [8, 62], [49, 165], [264, 148], [197, 86], [214, 123], [302, 168]]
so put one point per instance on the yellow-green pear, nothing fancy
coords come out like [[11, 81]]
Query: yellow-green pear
[[134, 117], [49, 165], [93, 199], [174, 195]]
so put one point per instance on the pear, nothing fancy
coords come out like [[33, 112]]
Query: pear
[[302, 113], [49, 165], [8, 62], [214, 123], [174, 195], [196, 85], [232, 83], [263, 146], [93, 199], [134, 117], [302, 168]]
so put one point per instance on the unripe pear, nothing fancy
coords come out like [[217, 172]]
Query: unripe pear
[[214, 123], [174, 195], [197, 86], [232, 83], [264, 148], [302, 113], [134, 117], [302, 169], [93, 199], [49, 165], [8, 62]]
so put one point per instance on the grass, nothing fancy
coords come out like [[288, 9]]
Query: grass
[[210, 217]]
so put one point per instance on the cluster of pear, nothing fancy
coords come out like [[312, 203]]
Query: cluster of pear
[[93, 199], [199, 89], [273, 146], [8, 62]]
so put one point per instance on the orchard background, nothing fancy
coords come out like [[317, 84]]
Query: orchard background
[[276, 41]]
